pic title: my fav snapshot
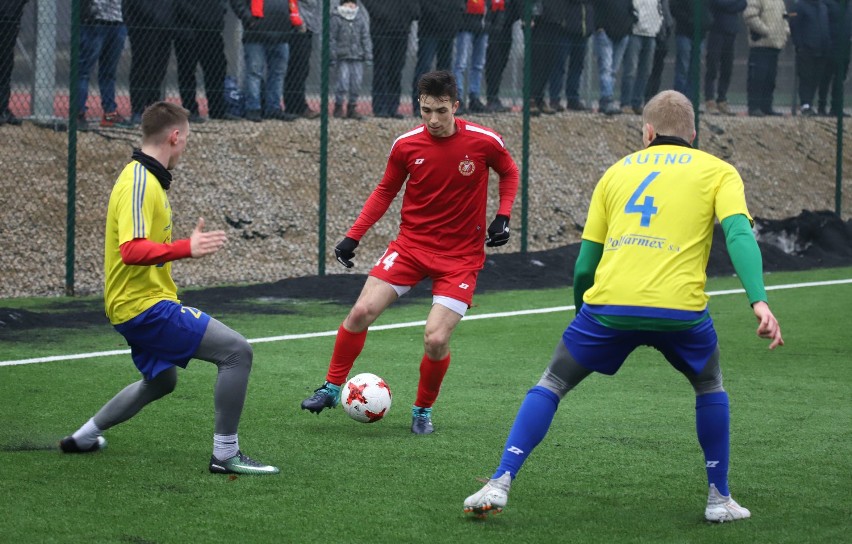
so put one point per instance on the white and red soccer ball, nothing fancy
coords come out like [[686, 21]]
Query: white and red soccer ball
[[365, 398]]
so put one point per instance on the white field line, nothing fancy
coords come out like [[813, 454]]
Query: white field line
[[407, 324]]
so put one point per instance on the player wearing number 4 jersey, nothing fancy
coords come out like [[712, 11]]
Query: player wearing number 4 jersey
[[639, 280], [142, 304], [444, 164]]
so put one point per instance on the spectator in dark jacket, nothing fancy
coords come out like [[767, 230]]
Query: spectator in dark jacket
[[499, 47], [614, 21], [436, 29], [551, 18], [11, 12], [305, 19], [150, 31], [266, 29], [838, 64], [720, 53], [809, 26], [198, 40], [390, 23], [572, 47], [686, 13]]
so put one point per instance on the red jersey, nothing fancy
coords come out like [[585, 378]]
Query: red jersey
[[443, 206]]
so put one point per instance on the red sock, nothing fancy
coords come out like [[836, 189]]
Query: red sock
[[347, 348], [431, 375]]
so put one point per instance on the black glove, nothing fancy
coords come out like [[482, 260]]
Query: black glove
[[345, 251], [498, 232]]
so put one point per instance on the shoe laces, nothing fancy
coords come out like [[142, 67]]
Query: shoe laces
[[246, 460]]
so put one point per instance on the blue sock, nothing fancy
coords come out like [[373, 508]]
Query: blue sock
[[713, 423], [531, 424]]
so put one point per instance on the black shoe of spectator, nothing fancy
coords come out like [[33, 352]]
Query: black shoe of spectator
[[475, 106], [545, 108], [574, 104], [808, 111], [82, 123], [309, 114], [462, 110], [495, 106], [253, 116], [833, 113], [534, 109], [196, 118], [771, 113], [7, 118], [756, 113], [338, 111], [557, 106], [227, 117], [280, 115]]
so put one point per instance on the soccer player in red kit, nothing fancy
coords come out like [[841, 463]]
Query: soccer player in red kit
[[444, 165]]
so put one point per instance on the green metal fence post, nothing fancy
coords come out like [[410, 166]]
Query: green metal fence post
[[323, 164], [74, 97], [695, 63], [525, 153], [841, 59]]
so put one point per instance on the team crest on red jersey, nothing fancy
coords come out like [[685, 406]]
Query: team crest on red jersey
[[467, 167]]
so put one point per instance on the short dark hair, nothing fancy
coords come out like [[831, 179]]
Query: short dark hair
[[160, 116], [439, 84]]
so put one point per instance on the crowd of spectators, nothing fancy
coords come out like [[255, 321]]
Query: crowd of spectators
[[472, 38]]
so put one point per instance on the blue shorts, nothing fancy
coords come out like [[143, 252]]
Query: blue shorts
[[166, 334], [603, 349]]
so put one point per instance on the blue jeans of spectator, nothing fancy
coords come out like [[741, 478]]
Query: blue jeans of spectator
[[350, 74], [718, 59], [683, 67], [470, 47], [101, 44], [572, 49], [638, 59], [430, 48], [269, 60], [760, 82], [609, 55]]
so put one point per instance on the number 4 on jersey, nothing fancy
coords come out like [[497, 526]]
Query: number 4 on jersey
[[647, 208]]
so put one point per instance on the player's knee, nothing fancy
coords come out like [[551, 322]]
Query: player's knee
[[436, 344], [243, 354], [360, 317]]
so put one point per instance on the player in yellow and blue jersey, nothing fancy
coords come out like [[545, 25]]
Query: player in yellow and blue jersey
[[639, 280], [142, 304]]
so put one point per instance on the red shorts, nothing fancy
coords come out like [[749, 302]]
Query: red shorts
[[452, 276]]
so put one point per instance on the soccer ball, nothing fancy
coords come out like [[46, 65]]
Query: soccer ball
[[365, 398]]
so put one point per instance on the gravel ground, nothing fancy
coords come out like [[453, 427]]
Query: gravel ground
[[258, 181]]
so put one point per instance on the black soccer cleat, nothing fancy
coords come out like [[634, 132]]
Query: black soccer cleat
[[321, 399], [69, 445], [421, 421]]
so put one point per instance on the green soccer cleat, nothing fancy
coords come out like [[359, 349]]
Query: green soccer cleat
[[240, 464], [326, 396], [421, 420]]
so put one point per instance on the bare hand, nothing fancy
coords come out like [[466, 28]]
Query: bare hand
[[767, 325], [204, 243]]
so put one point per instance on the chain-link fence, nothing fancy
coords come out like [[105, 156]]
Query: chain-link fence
[[295, 104]]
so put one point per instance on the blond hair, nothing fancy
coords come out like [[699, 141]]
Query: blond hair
[[160, 116], [671, 114]]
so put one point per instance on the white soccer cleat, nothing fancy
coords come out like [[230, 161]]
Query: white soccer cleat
[[491, 498], [721, 508]]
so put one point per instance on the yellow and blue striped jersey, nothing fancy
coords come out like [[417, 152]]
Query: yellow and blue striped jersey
[[653, 211], [138, 208]]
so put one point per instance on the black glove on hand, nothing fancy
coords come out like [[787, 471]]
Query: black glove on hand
[[345, 251], [498, 232]]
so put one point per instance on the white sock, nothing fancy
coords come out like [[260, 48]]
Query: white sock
[[86, 435], [225, 446]]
